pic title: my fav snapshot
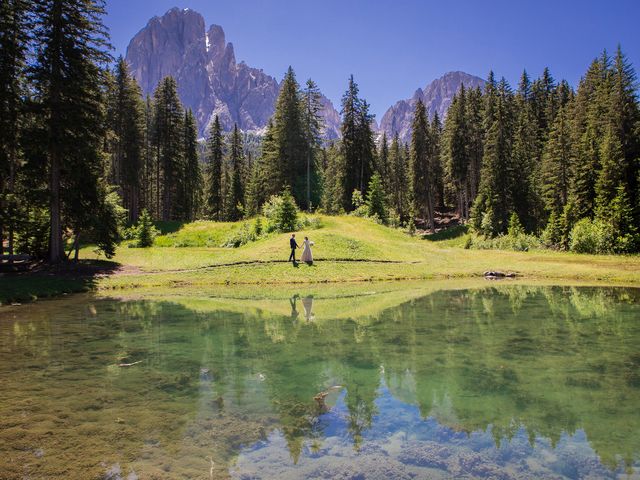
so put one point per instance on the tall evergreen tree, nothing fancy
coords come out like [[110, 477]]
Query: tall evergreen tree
[[235, 192], [357, 142], [72, 44], [191, 184], [127, 122], [14, 28], [494, 204], [286, 160], [456, 143], [168, 132], [420, 168], [215, 157], [557, 164], [527, 203], [314, 126], [399, 179]]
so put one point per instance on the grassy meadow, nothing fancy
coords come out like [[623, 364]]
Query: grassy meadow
[[347, 249]]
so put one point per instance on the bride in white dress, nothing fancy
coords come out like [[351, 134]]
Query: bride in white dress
[[307, 256]]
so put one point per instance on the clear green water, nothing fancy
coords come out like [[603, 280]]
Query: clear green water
[[498, 382]]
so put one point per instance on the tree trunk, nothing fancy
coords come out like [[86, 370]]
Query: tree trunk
[[55, 234], [309, 181], [76, 246], [430, 215]]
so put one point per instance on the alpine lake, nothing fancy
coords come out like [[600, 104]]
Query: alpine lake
[[477, 379]]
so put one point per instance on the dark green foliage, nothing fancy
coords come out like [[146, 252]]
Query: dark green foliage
[[234, 208], [376, 202], [357, 145], [168, 131], [190, 186], [125, 118], [422, 161], [68, 83], [281, 213], [145, 231], [14, 37]]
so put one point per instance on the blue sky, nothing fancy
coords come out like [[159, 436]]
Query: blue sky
[[393, 47]]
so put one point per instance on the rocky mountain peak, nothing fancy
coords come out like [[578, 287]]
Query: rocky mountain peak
[[210, 81], [436, 96]]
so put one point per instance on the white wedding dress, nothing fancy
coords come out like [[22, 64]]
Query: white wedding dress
[[307, 256]]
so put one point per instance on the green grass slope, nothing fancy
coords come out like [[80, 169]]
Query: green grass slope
[[347, 249]]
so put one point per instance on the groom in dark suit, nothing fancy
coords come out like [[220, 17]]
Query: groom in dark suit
[[294, 245]]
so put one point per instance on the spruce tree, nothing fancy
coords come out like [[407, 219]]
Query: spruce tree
[[557, 164], [313, 124], [376, 205], [235, 191], [214, 159], [67, 78], [495, 195], [285, 160], [14, 27], [420, 168], [358, 148], [126, 147], [456, 146], [168, 132], [191, 185], [526, 201]]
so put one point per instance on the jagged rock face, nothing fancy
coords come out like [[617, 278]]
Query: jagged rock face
[[210, 81], [437, 97]]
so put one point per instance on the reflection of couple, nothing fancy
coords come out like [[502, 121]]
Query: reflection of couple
[[307, 304], [307, 256]]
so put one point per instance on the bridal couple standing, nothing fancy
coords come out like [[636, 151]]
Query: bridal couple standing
[[307, 256]]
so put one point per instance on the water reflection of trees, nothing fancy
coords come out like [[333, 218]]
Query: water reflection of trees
[[549, 359]]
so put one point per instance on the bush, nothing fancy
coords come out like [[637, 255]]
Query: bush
[[281, 213], [589, 236], [518, 243], [243, 235]]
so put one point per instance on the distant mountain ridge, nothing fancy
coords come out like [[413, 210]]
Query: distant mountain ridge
[[436, 96], [210, 80]]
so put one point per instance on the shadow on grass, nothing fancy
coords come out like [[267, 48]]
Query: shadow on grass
[[169, 226], [447, 234], [44, 281]]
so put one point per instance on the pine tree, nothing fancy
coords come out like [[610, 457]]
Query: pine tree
[[357, 142], [382, 164], [286, 158], [612, 173], [313, 124], [421, 171], [400, 185], [497, 167], [333, 181], [235, 193], [14, 37], [456, 146], [376, 206], [191, 184], [557, 164], [168, 141], [127, 123], [67, 79], [215, 155], [526, 201]]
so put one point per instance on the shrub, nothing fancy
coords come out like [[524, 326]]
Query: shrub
[[281, 213], [144, 233], [243, 235], [589, 236]]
